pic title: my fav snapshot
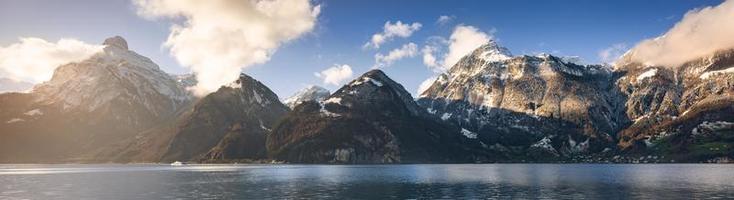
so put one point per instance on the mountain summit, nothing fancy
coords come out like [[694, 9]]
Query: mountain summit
[[116, 41], [310, 93], [89, 105], [492, 52]]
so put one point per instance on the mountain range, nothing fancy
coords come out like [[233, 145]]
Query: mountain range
[[491, 106]]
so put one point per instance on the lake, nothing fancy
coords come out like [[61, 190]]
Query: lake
[[545, 181]]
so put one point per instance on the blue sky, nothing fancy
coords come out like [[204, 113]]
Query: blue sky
[[566, 28]]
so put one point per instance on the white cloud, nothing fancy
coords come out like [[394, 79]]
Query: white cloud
[[463, 40], [612, 53], [428, 58], [391, 30], [34, 60], [444, 19], [218, 38], [701, 32], [407, 50], [335, 75], [425, 85]]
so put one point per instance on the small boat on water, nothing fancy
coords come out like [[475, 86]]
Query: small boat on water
[[177, 163]]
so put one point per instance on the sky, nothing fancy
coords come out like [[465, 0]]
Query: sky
[[330, 42]]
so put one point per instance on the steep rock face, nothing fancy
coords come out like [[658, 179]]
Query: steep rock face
[[310, 93], [528, 106], [86, 106], [231, 123], [684, 113], [370, 120]]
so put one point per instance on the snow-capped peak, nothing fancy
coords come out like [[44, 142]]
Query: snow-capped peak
[[310, 93], [492, 52], [112, 74]]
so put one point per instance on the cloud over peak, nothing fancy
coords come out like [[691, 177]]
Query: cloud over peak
[[701, 32], [34, 60], [463, 40], [218, 38], [392, 30], [335, 75]]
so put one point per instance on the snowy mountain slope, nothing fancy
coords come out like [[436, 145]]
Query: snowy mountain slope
[[310, 93], [515, 102]]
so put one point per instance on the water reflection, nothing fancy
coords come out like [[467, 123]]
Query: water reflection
[[545, 181]]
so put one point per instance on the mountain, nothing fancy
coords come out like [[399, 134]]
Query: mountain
[[231, 123], [547, 108], [10, 85], [491, 106], [310, 93], [370, 120], [680, 113], [529, 107], [88, 105]]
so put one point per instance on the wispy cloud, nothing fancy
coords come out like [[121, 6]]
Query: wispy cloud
[[335, 75], [218, 38], [612, 53], [445, 19], [406, 51], [34, 60], [429, 59], [392, 30]]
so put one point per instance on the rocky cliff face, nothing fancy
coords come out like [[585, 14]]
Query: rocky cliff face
[[88, 105], [529, 107], [370, 120], [682, 113]]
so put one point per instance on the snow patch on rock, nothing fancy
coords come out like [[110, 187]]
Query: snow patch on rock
[[336, 100], [707, 75], [446, 116], [33, 112], [14, 120], [468, 134], [647, 74]]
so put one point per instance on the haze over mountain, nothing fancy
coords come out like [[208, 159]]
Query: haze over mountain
[[87, 106], [10, 85]]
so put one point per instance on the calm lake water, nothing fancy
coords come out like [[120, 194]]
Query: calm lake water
[[546, 181]]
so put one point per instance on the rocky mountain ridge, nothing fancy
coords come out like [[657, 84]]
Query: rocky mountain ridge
[[370, 120]]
